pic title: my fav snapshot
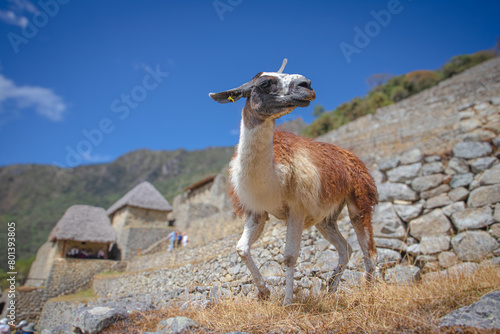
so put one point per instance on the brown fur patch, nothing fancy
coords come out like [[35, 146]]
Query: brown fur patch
[[342, 173]]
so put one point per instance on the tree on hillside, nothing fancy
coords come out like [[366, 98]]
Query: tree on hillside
[[417, 81], [318, 110], [377, 80]]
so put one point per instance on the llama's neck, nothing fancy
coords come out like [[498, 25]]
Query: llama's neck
[[255, 148], [252, 172]]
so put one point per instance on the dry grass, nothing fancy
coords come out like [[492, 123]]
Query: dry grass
[[81, 296], [381, 308]]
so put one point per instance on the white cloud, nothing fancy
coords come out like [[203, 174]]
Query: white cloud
[[24, 5], [9, 17], [17, 11], [42, 100]]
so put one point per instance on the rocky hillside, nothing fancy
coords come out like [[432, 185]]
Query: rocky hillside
[[35, 196]]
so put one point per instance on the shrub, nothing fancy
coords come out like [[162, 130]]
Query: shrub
[[376, 101], [460, 63], [319, 126], [417, 81], [399, 93]]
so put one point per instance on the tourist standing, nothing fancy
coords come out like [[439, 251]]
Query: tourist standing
[[172, 237], [4, 327], [29, 329], [20, 327], [179, 239]]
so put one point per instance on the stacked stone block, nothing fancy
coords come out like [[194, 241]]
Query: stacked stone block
[[438, 210]]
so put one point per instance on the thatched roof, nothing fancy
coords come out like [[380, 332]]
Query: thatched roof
[[201, 183], [84, 223], [145, 196]]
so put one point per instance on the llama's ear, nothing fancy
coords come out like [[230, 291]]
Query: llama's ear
[[234, 94]]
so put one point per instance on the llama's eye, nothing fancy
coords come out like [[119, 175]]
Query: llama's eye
[[265, 84]]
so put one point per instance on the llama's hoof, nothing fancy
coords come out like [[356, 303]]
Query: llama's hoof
[[264, 294], [333, 283], [370, 278]]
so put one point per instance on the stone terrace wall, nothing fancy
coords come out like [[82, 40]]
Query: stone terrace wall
[[182, 256], [61, 281], [40, 269], [432, 120], [226, 267], [29, 303], [441, 210]]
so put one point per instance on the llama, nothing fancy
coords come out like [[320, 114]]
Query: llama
[[303, 182]]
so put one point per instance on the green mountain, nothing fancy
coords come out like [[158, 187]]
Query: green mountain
[[36, 196]]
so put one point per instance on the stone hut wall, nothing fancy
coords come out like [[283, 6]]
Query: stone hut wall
[[146, 217], [138, 229], [210, 207], [118, 219], [134, 239]]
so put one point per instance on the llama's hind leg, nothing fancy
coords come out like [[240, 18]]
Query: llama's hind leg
[[254, 226], [361, 222], [330, 231]]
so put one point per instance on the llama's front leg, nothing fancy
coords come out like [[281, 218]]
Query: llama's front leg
[[295, 225], [253, 229]]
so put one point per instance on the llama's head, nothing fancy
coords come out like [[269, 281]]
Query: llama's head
[[271, 94]]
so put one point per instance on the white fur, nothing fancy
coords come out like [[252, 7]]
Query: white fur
[[285, 80], [252, 172]]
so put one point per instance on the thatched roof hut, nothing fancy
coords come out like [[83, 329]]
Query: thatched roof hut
[[144, 196], [84, 223]]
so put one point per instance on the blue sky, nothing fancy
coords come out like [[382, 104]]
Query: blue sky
[[87, 81]]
